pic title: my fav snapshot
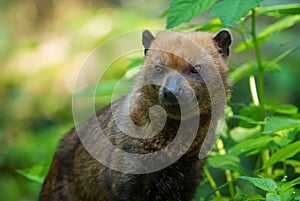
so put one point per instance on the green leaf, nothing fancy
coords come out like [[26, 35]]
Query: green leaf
[[264, 34], [286, 109], [273, 197], [248, 44], [286, 9], [280, 25], [256, 145], [284, 54], [225, 162], [247, 120], [184, 10], [265, 184], [274, 124], [297, 197], [286, 185], [252, 112], [36, 173], [284, 153], [285, 138], [239, 134], [230, 11], [288, 195]]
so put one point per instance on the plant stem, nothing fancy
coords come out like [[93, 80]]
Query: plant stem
[[228, 175], [212, 181], [265, 154], [260, 66]]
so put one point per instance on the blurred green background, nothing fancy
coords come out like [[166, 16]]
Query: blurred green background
[[42, 46]]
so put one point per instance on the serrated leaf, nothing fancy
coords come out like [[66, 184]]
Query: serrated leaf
[[286, 9], [35, 173], [184, 10], [225, 162], [230, 11], [265, 184], [257, 145], [284, 153], [274, 124], [264, 34], [273, 197]]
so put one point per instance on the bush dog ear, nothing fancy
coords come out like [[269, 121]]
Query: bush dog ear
[[223, 41], [147, 39]]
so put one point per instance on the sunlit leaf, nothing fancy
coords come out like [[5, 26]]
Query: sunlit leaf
[[284, 153], [240, 134], [266, 184], [36, 173], [274, 124], [257, 144], [230, 11], [225, 162], [184, 10]]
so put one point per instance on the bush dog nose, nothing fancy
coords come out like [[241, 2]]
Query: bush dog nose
[[171, 91]]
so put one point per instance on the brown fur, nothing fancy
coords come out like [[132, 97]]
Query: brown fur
[[76, 176]]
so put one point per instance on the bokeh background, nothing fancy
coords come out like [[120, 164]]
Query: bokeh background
[[43, 44]]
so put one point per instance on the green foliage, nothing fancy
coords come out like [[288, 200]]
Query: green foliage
[[184, 10], [36, 173], [265, 184], [274, 124], [287, 9], [225, 162], [181, 11], [263, 130], [237, 8], [260, 156], [264, 35], [284, 153]]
